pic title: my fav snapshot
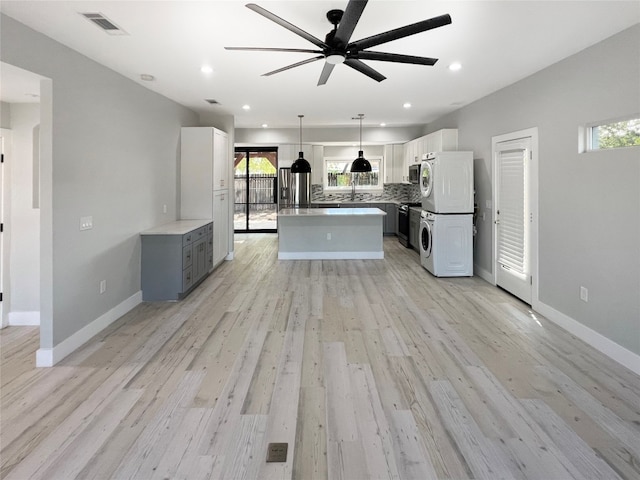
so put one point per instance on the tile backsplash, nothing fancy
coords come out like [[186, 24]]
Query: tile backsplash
[[392, 192]]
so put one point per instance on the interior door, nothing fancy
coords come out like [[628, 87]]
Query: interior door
[[513, 217]]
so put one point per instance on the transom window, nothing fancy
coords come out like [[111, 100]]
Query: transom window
[[619, 134], [337, 175]]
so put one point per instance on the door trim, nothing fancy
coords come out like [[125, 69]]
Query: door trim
[[533, 200], [5, 147]]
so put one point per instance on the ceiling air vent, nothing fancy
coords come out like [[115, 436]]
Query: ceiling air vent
[[212, 101], [104, 23]]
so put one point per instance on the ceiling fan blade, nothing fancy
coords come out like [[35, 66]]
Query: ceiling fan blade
[[349, 20], [401, 32], [289, 26], [262, 49], [326, 71], [394, 57], [363, 68], [304, 62]]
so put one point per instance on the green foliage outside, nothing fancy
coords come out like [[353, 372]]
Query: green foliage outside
[[616, 135], [258, 166]]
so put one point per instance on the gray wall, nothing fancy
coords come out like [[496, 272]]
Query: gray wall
[[24, 216], [318, 135], [5, 115], [115, 157], [589, 203]]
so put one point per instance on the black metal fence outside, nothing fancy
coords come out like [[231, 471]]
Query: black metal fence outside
[[260, 193]]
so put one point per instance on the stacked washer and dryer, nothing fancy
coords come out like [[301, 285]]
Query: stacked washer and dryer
[[446, 223]]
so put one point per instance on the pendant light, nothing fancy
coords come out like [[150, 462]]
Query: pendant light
[[360, 164], [301, 165]]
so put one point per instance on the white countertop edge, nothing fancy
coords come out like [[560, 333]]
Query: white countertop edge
[[330, 212], [177, 227], [331, 255]]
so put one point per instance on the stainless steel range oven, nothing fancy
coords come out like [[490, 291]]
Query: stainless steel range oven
[[403, 222]]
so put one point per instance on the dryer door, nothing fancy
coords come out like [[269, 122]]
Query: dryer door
[[426, 241], [426, 179]]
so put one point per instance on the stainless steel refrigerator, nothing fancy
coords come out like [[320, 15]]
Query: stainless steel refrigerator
[[294, 189]]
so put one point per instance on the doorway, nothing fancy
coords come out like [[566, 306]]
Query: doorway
[[515, 213], [255, 176], [4, 134]]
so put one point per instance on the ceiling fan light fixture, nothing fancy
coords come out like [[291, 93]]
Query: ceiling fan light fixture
[[335, 58], [301, 165]]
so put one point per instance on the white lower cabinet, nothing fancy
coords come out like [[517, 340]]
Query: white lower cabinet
[[220, 226]]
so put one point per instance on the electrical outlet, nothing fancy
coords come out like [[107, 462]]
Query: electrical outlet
[[584, 294], [103, 286], [328, 236], [86, 223]]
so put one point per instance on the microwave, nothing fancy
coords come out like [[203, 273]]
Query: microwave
[[414, 173]]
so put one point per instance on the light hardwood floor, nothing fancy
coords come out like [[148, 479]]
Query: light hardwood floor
[[367, 369]]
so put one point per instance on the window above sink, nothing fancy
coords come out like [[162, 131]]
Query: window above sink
[[337, 175]]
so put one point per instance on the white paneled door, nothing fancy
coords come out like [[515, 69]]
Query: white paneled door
[[513, 217]]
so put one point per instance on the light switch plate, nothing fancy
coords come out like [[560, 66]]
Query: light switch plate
[[86, 223]]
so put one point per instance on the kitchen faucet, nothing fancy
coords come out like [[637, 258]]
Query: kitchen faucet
[[353, 190]]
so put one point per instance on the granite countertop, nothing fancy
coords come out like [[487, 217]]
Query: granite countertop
[[329, 212], [179, 227]]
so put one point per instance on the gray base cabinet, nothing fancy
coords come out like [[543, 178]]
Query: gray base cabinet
[[390, 222], [175, 258]]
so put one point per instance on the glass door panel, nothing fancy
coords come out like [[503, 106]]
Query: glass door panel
[[256, 201], [240, 206]]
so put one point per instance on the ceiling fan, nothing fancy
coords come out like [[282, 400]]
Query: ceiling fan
[[336, 48]]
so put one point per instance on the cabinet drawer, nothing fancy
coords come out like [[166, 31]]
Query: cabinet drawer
[[187, 239], [210, 261], [199, 233], [209, 228], [187, 256], [187, 278]]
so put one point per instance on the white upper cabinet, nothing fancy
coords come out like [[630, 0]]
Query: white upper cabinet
[[220, 160], [204, 168], [394, 171], [441, 141]]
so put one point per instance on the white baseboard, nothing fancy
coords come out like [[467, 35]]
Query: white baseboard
[[330, 255], [22, 319], [598, 341], [482, 273], [48, 357]]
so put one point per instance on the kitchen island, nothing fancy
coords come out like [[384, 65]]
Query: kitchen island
[[330, 233]]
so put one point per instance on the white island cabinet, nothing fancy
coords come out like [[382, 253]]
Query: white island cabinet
[[330, 233]]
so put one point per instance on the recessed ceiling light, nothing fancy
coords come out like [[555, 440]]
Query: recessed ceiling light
[[454, 67], [206, 69], [407, 105], [246, 107], [147, 78], [383, 124], [264, 125]]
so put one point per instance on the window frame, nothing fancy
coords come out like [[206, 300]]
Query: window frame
[[587, 133], [347, 188]]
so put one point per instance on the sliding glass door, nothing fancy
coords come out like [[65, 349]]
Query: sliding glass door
[[255, 174]]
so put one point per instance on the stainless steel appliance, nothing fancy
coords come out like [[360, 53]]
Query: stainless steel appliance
[[414, 173], [294, 189], [403, 222]]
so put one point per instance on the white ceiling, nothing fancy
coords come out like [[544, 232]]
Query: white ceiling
[[497, 42]]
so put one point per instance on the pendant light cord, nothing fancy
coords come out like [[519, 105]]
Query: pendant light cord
[[300, 117]]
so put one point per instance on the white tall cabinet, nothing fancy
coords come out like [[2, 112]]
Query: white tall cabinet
[[204, 182]]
